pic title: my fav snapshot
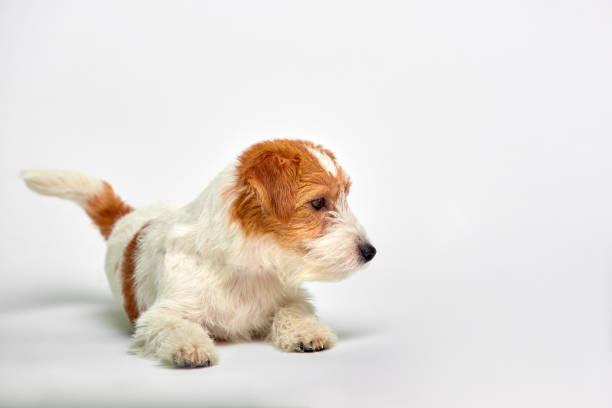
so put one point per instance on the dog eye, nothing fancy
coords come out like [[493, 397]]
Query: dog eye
[[318, 203]]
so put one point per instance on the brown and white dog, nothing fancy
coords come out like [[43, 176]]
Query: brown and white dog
[[228, 265]]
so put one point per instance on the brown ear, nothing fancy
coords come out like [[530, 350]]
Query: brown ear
[[275, 179]]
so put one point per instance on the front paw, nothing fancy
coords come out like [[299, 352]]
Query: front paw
[[184, 348], [191, 355], [305, 337]]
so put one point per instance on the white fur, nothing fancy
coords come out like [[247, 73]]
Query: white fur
[[343, 235], [198, 277], [324, 160], [68, 184]]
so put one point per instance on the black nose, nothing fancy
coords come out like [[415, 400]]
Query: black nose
[[367, 252]]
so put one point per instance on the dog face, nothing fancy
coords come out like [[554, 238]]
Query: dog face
[[295, 191]]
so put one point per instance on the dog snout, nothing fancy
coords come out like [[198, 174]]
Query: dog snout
[[367, 251]]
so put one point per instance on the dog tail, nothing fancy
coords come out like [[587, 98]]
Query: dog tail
[[95, 196]]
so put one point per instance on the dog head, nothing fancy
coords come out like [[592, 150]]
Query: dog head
[[295, 192]]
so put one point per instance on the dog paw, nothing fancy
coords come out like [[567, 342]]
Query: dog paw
[[195, 356], [316, 344], [305, 337]]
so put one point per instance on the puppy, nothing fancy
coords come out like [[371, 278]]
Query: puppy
[[229, 264]]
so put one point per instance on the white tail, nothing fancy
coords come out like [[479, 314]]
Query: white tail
[[97, 197], [68, 184]]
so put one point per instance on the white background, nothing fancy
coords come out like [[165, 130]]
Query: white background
[[479, 138]]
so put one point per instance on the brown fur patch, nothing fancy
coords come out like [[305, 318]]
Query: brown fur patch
[[276, 181], [105, 208], [128, 285]]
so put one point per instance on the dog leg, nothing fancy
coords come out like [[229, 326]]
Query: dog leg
[[296, 328], [161, 333]]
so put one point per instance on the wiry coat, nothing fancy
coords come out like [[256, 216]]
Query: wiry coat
[[229, 264]]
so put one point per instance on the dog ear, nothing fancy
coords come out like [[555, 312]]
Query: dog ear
[[275, 179]]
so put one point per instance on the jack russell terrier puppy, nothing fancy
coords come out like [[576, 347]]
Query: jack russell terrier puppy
[[229, 264]]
